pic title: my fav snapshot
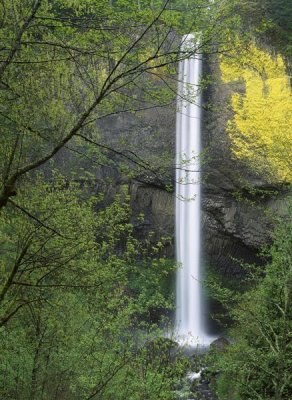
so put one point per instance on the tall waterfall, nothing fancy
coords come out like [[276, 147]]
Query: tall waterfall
[[188, 197]]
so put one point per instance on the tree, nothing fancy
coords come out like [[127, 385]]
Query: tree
[[258, 136], [257, 364], [269, 21], [76, 292]]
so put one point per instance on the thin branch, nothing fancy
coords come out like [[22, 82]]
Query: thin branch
[[33, 285], [17, 43], [37, 220], [7, 317], [143, 165], [14, 271]]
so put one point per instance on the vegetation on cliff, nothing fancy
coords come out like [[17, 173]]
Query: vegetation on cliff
[[269, 21], [257, 364], [260, 130]]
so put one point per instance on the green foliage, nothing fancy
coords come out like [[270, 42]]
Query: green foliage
[[257, 364], [278, 24], [269, 21], [71, 321]]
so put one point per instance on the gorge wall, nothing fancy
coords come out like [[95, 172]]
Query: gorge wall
[[237, 204]]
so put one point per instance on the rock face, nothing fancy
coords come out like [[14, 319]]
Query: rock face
[[236, 228], [157, 206], [233, 229]]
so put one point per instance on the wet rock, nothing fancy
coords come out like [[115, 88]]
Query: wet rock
[[220, 344]]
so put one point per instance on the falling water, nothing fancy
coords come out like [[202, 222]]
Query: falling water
[[189, 324]]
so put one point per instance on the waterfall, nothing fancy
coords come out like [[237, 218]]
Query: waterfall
[[189, 324]]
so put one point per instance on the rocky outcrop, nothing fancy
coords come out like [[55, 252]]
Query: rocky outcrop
[[236, 227], [157, 207]]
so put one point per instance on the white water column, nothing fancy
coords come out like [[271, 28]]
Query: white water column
[[188, 198]]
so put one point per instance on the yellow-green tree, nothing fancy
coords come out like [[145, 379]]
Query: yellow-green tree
[[260, 130]]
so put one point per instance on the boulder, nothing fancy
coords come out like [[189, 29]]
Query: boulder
[[220, 344]]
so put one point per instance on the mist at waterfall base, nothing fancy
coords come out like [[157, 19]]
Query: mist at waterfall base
[[191, 310]]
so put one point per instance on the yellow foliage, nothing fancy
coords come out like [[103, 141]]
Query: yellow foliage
[[261, 129]]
